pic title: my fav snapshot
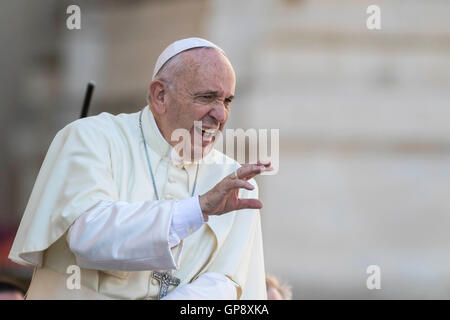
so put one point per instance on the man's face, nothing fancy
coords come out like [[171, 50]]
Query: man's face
[[203, 91]]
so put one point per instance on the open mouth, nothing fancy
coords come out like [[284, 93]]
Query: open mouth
[[207, 134]]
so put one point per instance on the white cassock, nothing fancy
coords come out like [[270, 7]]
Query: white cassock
[[93, 205]]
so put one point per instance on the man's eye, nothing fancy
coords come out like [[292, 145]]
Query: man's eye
[[227, 103]]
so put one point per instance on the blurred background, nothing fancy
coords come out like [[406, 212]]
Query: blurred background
[[364, 175]]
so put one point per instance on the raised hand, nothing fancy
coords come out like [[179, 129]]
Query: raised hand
[[224, 198]]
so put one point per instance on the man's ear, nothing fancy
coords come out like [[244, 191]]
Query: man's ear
[[158, 93]]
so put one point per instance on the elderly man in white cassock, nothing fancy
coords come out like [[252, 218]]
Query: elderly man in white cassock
[[144, 212]]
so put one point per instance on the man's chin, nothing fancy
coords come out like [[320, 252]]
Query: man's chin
[[201, 152]]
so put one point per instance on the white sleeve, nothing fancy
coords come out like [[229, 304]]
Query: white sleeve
[[187, 218], [132, 236], [208, 286]]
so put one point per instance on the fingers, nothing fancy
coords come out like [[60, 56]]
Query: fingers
[[245, 203], [248, 171], [264, 163], [249, 204], [234, 175], [239, 183]]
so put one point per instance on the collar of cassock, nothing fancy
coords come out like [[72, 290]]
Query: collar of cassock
[[158, 143], [159, 149]]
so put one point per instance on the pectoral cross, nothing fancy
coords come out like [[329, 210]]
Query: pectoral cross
[[165, 280]]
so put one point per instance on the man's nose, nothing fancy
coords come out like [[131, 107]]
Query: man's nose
[[218, 112]]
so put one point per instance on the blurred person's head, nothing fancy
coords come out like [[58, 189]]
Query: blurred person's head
[[276, 290], [194, 85], [9, 290]]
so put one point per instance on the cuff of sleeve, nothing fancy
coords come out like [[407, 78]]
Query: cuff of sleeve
[[186, 219]]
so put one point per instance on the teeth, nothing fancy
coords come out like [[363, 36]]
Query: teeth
[[207, 134], [210, 131]]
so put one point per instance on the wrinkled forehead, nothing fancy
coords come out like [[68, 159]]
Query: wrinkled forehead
[[200, 59], [204, 68]]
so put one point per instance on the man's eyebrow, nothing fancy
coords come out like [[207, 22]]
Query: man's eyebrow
[[208, 92], [212, 93]]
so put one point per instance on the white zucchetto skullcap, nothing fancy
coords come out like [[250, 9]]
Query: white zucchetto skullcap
[[180, 46]]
